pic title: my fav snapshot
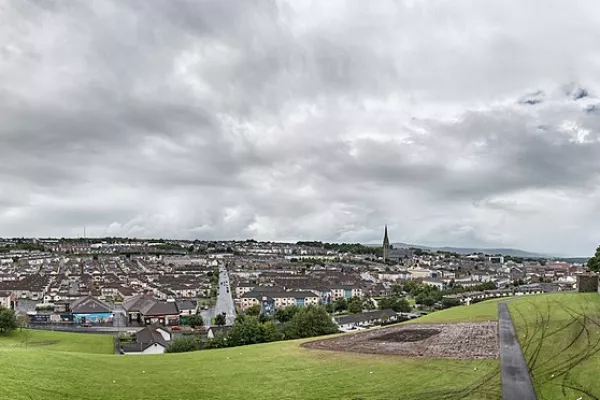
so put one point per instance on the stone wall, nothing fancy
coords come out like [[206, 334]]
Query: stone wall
[[587, 283]]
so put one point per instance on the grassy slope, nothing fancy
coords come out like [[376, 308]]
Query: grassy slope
[[57, 341], [560, 336], [483, 311], [64, 369], [269, 371]]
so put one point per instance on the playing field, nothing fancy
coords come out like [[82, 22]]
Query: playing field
[[81, 366]]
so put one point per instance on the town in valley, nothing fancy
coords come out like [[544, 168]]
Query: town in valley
[[159, 290]]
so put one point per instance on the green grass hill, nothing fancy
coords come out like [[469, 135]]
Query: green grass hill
[[81, 366]]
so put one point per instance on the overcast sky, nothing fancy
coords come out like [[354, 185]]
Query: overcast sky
[[463, 123]]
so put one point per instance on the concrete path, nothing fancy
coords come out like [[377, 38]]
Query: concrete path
[[516, 381]]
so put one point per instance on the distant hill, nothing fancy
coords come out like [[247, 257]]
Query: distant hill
[[471, 250]]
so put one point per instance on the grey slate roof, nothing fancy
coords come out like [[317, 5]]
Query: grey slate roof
[[89, 305], [254, 294], [148, 305], [150, 335], [185, 305]]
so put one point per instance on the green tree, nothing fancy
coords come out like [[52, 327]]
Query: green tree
[[429, 301], [396, 290], [594, 263], [286, 314], [447, 303], [8, 320], [340, 304], [254, 310], [420, 298], [355, 305], [270, 332], [368, 304], [246, 330], [195, 321], [220, 320], [218, 342], [330, 308], [395, 303], [308, 322]]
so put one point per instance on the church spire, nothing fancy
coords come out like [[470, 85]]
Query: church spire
[[386, 245]]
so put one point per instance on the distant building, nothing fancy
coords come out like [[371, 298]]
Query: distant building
[[91, 310], [386, 245], [150, 340], [270, 301], [147, 310], [374, 317], [6, 300]]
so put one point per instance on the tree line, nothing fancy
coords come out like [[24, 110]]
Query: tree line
[[289, 323], [353, 248]]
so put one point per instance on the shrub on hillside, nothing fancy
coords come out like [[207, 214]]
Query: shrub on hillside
[[183, 344], [8, 320], [309, 321], [395, 303]]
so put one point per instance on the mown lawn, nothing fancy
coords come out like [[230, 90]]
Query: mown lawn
[[57, 341], [560, 338], [65, 369], [478, 312]]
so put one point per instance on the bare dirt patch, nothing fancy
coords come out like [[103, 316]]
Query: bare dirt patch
[[407, 335], [461, 340], [43, 343]]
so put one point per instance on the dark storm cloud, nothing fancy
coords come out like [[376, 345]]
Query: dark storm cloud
[[301, 120]]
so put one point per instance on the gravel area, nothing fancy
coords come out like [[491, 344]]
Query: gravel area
[[460, 340]]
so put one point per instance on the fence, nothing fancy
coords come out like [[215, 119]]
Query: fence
[[71, 328]]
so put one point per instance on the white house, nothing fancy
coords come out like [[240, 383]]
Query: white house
[[6, 299], [150, 340]]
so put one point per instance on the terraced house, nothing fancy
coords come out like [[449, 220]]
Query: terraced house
[[279, 299], [6, 299], [345, 291], [147, 310]]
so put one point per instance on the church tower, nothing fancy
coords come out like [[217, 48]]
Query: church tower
[[386, 246]]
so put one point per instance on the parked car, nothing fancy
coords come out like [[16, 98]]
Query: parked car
[[176, 328], [86, 325]]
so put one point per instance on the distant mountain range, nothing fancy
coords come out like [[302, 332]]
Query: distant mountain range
[[471, 250]]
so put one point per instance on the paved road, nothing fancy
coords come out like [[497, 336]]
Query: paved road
[[224, 301], [516, 381], [120, 317]]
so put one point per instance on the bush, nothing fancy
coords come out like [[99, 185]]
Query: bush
[[355, 305], [183, 344], [254, 310], [8, 320], [309, 321], [448, 303], [286, 314], [217, 342], [395, 303], [195, 321], [220, 320]]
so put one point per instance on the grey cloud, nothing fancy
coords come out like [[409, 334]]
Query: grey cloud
[[533, 98], [300, 121]]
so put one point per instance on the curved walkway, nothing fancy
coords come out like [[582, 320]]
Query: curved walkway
[[516, 381]]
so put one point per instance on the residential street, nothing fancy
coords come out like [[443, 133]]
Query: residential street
[[224, 300]]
